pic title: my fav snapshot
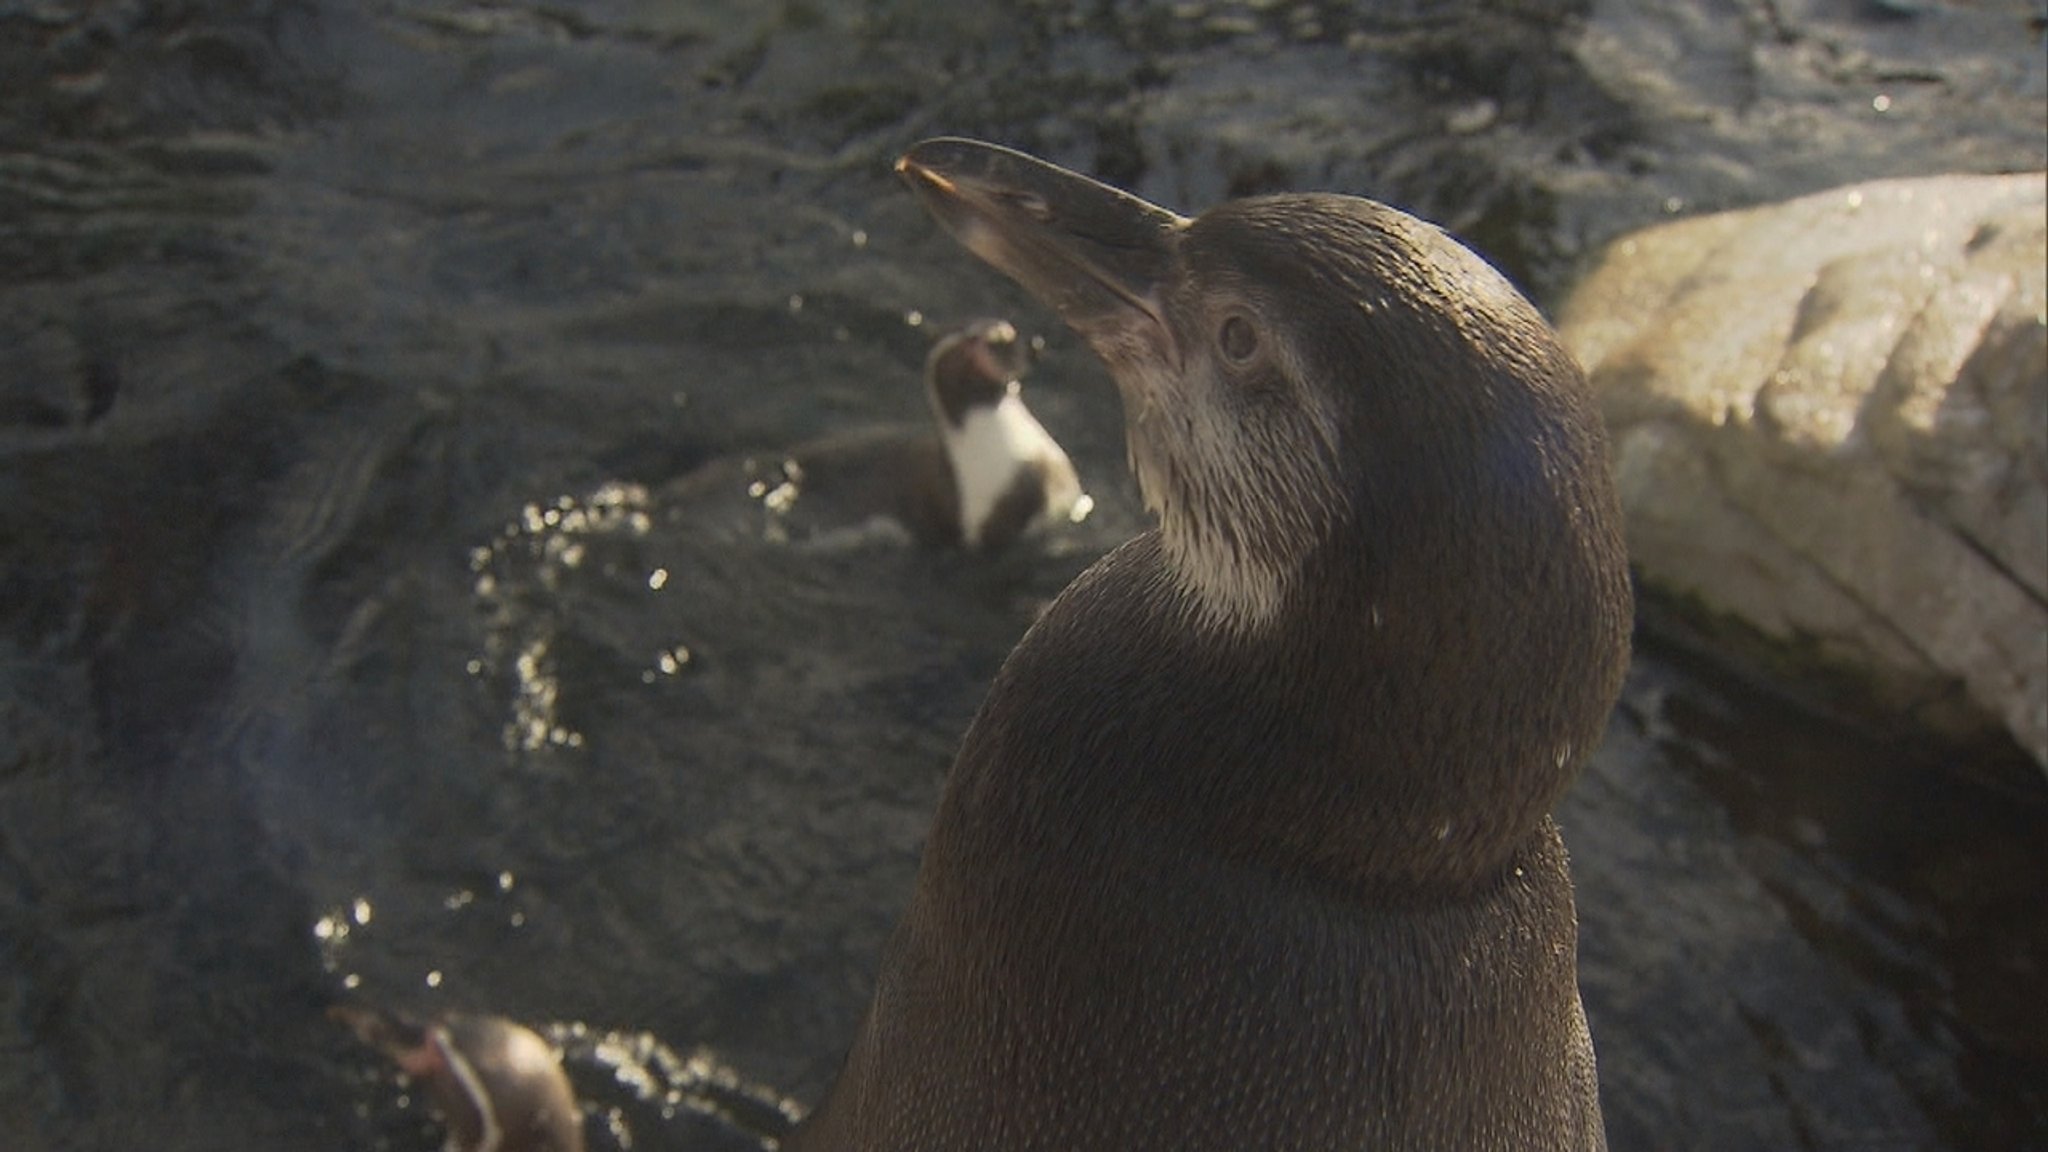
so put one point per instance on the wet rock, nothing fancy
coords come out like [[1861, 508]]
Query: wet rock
[[1830, 420]]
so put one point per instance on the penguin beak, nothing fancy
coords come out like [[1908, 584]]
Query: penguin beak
[[1094, 254]]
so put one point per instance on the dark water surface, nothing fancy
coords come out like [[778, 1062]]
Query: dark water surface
[[356, 639]]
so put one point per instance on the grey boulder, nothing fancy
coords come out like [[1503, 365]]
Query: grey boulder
[[1830, 420]]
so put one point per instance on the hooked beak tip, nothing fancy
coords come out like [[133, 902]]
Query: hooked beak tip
[[908, 168]]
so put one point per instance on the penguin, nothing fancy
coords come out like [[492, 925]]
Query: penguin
[[1006, 471], [498, 1086], [983, 475], [1249, 844]]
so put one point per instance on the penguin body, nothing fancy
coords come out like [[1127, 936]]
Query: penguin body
[[1249, 844]]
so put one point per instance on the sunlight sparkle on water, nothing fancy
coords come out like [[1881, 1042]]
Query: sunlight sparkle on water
[[699, 1083], [545, 545]]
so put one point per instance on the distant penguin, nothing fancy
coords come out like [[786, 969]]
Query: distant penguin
[[984, 474], [1250, 845], [498, 1086]]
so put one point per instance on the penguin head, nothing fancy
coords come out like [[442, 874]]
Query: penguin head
[[408, 1043], [975, 367], [1375, 470], [1308, 380]]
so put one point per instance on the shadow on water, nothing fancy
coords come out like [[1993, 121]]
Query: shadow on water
[[357, 639]]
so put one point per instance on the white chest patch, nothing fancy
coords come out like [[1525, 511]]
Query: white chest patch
[[988, 451]]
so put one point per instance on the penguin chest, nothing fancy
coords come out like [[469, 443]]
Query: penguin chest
[[1009, 472]]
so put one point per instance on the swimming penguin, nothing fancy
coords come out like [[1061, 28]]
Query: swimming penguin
[[990, 473], [1249, 845], [498, 1086]]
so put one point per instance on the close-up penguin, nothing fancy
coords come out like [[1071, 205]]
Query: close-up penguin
[[1250, 843]]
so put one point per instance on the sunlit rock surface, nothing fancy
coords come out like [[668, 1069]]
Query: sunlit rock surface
[[1830, 419]]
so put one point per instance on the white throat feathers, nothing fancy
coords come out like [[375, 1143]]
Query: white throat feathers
[[1243, 494]]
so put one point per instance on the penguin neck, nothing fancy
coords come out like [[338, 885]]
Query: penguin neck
[[993, 449], [1345, 742]]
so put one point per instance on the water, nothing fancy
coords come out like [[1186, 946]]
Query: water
[[348, 360]]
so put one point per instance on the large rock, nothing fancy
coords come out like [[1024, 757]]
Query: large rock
[[1830, 419]]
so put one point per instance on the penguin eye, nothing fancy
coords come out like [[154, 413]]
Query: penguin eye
[[1238, 339]]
